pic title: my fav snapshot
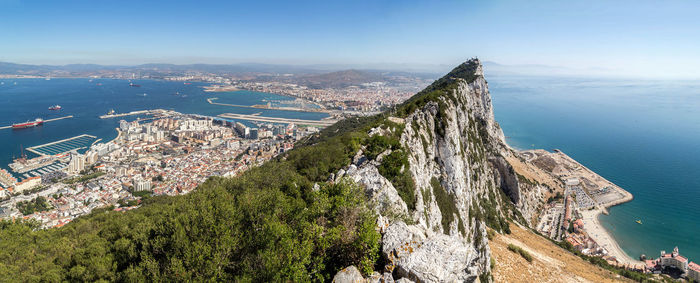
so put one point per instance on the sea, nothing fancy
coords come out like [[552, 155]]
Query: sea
[[86, 99], [643, 135]]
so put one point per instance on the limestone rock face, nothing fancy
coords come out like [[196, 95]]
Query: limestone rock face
[[455, 157], [349, 275], [380, 191]]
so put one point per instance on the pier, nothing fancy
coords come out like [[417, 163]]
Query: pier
[[321, 123], [320, 110], [45, 121], [62, 146]]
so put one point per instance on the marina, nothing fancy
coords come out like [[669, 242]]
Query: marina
[[63, 146]]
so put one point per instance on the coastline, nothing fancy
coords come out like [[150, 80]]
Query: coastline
[[595, 229]]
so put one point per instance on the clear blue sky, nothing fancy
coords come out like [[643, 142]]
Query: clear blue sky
[[635, 37]]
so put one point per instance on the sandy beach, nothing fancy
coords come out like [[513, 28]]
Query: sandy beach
[[599, 234], [564, 167]]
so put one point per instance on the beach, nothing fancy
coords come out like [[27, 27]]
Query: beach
[[601, 236]]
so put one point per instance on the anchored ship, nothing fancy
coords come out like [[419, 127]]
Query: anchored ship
[[28, 124]]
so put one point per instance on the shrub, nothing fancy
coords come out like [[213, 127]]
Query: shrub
[[519, 250], [448, 208]]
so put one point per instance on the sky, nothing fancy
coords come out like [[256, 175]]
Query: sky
[[630, 38]]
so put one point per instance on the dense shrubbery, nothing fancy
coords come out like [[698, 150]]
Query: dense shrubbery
[[267, 225], [38, 204], [83, 178], [448, 208], [394, 167]]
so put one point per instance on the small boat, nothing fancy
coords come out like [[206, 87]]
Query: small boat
[[111, 112], [188, 83], [638, 221], [55, 107], [134, 85]]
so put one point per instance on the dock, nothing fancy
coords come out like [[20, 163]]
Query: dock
[[320, 123], [45, 121]]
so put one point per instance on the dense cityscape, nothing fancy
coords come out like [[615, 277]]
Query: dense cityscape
[[167, 156]]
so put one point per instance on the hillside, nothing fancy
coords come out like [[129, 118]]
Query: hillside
[[408, 194], [550, 262]]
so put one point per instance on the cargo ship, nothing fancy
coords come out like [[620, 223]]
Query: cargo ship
[[55, 107], [37, 122]]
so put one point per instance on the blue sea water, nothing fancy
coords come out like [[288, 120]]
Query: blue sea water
[[642, 135], [29, 99]]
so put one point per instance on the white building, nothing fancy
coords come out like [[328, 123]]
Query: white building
[[27, 184], [141, 185], [674, 260], [91, 158], [77, 163], [233, 144]]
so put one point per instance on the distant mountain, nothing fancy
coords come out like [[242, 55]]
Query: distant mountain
[[342, 79]]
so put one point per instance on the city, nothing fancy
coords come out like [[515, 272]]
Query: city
[[170, 155]]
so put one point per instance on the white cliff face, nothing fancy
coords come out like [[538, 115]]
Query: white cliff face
[[456, 160]]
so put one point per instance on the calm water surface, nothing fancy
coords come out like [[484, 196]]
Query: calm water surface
[[642, 135]]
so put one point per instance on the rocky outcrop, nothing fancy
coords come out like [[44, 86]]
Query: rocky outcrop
[[462, 183], [349, 275]]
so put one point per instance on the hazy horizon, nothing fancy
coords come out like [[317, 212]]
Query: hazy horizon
[[644, 39]]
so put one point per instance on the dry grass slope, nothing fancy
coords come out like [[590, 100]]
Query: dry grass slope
[[551, 263]]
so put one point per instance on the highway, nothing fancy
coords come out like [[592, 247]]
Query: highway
[[322, 123], [45, 121]]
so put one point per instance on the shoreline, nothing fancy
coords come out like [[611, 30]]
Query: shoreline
[[595, 229]]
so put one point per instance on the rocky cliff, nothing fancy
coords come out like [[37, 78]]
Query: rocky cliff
[[459, 182]]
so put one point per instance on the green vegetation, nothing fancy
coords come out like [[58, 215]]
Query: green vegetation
[[83, 178], [519, 250], [38, 204], [378, 144], [448, 208], [394, 167], [556, 197], [266, 225], [487, 210], [124, 202], [440, 87]]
